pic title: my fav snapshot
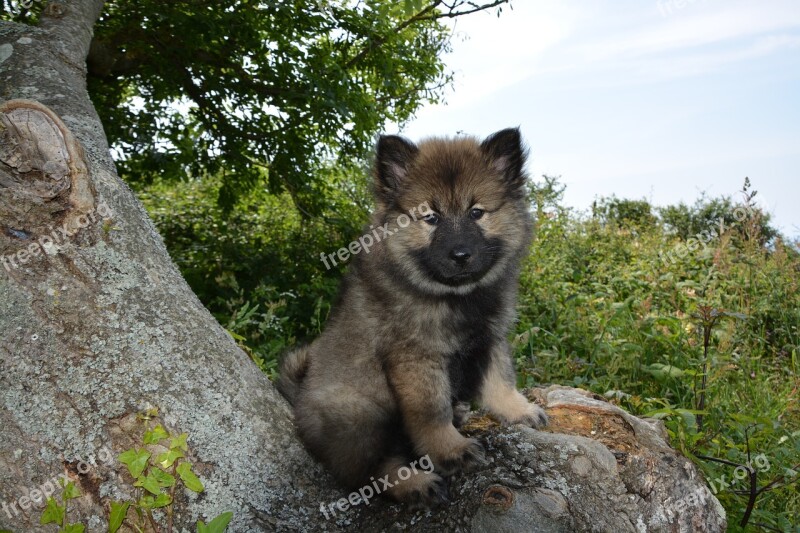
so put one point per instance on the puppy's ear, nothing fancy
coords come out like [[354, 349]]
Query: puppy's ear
[[393, 159], [506, 154]]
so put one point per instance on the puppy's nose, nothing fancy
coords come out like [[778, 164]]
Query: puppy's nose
[[460, 254]]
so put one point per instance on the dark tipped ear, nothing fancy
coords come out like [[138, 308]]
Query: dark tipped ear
[[505, 151], [392, 161]]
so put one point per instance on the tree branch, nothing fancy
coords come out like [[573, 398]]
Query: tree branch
[[71, 25], [428, 13], [453, 13]]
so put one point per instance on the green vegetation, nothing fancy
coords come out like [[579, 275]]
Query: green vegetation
[[56, 513], [257, 268], [260, 93], [155, 469], [702, 333]]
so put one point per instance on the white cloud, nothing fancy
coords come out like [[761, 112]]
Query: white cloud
[[701, 35], [492, 52]]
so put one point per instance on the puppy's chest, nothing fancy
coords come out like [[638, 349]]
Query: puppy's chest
[[468, 362], [447, 329]]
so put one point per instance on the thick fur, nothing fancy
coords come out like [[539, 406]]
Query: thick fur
[[422, 319]]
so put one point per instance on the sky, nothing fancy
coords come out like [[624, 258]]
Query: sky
[[654, 99]]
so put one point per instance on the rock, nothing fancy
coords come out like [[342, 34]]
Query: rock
[[594, 468]]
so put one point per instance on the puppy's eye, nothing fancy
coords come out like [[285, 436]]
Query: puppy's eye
[[475, 213], [432, 219]]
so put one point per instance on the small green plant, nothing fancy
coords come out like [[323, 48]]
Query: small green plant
[[157, 468], [56, 513]]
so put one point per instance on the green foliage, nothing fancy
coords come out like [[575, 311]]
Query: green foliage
[[624, 213], [713, 214], [217, 525], [704, 337], [260, 93], [189, 478], [56, 513], [155, 486], [53, 513], [136, 460], [119, 510], [257, 268]]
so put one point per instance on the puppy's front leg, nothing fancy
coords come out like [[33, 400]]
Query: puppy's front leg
[[422, 390], [500, 396]]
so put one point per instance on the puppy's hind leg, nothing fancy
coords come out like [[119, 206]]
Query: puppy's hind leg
[[347, 431]]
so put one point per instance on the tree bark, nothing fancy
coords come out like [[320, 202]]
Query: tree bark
[[97, 325]]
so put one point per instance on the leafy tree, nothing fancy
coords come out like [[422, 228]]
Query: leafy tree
[[624, 212], [716, 214], [546, 196], [262, 92]]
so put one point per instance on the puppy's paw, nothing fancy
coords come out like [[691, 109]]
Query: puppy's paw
[[514, 408], [427, 491], [533, 416], [468, 455]]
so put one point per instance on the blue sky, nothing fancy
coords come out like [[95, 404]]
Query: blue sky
[[643, 99]]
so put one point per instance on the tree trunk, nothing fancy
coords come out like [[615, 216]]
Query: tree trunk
[[98, 325]]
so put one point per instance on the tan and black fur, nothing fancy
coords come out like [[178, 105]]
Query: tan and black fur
[[422, 320]]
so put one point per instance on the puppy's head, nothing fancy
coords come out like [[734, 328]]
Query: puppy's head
[[456, 207]]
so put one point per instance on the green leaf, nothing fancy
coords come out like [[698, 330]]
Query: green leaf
[[53, 513], [151, 502], [167, 459], [189, 478], [236, 336], [688, 417], [136, 460], [179, 442], [662, 372], [217, 525], [119, 510], [149, 483], [72, 528], [659, 414], [155, 480], [155, 435], [71, 491], [164, 479]]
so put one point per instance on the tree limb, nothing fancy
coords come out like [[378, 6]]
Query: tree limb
[[427, 13], [453, 13], [71, 24]]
